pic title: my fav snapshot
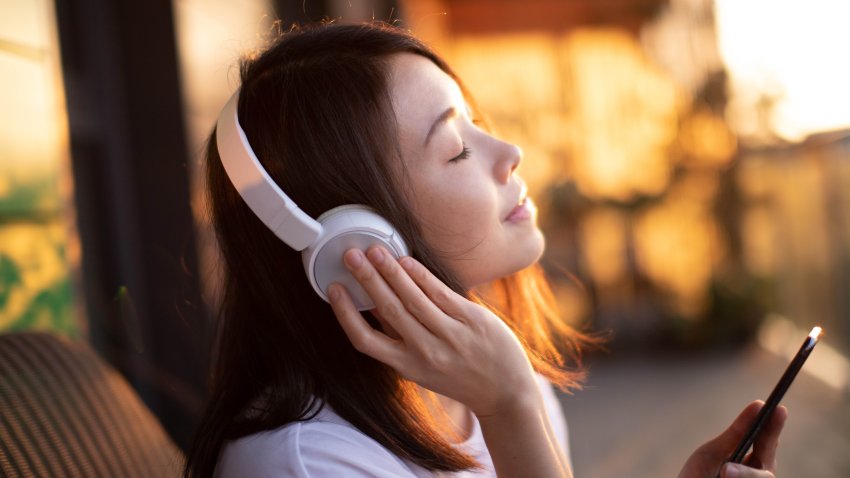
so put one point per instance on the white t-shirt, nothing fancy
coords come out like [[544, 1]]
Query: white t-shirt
[[328, 446]]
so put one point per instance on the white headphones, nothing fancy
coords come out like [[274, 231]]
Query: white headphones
[[322, 242]]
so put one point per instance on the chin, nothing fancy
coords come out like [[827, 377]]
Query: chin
[[531, 250], [541, 241], [530, 254]]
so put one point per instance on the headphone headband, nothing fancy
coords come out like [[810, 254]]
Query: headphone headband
[[322, 242], [274, 208]]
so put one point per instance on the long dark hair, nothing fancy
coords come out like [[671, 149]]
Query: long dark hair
[[316, 109]]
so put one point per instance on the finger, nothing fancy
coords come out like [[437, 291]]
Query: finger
[[363, 336], [440, 294], [734, 470], [387, 303], [764, 448], [413, 299], [721, 447], [740, 426]]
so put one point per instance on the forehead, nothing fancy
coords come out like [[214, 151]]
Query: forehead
[[420, 92]]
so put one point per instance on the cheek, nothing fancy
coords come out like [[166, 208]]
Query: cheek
[[457, 223], [454, 208]]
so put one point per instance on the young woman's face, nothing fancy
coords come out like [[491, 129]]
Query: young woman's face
[[472, 208]]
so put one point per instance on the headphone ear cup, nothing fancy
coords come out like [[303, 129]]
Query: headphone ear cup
[[343, 228]]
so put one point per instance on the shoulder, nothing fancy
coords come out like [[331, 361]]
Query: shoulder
[[324, 446]]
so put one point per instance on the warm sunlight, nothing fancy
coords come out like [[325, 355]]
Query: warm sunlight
[[33, 127], [677, 243], [787, 59], [595, 111]]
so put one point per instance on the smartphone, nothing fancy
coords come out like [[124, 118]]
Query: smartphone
[[776, 395]]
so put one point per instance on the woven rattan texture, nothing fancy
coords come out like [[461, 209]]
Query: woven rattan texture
[[65, 413]]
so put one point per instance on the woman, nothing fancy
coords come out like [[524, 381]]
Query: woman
[[444, 375]]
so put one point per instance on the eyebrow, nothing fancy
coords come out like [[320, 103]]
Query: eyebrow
[[444, 116]]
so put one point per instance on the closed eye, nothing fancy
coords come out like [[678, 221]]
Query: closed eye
[[463, 155]]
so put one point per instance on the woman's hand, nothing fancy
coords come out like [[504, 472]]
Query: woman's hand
[[708, 459], [439, 339], [456, 348]]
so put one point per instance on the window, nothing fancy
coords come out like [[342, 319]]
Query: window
[[38, 249]]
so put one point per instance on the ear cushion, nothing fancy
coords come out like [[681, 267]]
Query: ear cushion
[[343, 228]]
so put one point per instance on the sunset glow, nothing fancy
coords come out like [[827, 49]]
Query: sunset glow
[[787, 56]]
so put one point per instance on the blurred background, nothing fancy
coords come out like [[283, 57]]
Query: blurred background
[[691, 160]]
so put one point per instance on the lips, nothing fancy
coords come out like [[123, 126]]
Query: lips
[[520, 203], [523, 212]]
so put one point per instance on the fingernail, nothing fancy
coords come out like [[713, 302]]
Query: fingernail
[[333, 291], [376, 255], [354, 258], [407, 263], [732, 470]]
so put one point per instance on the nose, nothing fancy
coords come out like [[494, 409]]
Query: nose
[[509, 156]]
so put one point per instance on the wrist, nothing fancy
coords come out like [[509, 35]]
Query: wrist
[[517, 407]]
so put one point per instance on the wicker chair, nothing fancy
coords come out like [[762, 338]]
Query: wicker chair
[[64, 412]]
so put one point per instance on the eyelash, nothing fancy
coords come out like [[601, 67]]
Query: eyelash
[[463, 155]]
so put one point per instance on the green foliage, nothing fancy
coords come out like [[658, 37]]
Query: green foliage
[[10, 277]]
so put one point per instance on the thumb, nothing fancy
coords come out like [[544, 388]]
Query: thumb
[[728, 440]]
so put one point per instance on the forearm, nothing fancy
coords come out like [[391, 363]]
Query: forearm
[[522, 443]]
